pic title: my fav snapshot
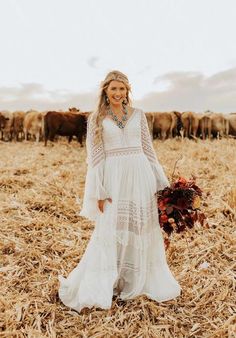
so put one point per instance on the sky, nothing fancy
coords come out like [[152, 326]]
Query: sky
[[178, 54]]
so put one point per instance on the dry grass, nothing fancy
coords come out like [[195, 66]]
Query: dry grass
[[42, 236]]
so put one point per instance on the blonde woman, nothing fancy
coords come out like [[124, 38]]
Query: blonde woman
[[125, 256]]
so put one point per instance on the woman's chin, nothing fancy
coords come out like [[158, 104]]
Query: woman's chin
[[116, 103]]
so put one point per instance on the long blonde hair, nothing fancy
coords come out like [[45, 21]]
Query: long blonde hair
[[102, 106]]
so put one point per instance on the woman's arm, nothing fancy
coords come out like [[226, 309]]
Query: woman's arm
[[94, 188]]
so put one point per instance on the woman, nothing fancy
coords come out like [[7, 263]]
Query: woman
[[125, 255]]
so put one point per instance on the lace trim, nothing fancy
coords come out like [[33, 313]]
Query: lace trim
[[134, 224], [146, 140], [135, 217], [123, 151], [95, 151], [137, 223]]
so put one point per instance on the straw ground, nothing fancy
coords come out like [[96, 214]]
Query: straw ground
[[41, 190]]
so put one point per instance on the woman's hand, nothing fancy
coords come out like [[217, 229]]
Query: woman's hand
[[101, 203]]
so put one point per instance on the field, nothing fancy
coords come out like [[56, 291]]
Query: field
[[41, 190]]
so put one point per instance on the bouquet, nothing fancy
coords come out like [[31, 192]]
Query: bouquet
[[179, 206]]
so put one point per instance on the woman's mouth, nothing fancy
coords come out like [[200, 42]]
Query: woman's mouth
[[117, 98]]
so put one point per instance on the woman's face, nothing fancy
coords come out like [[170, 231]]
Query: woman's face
[[116, 92]]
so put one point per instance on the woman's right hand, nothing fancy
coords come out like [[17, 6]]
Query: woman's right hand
[[101, 203]]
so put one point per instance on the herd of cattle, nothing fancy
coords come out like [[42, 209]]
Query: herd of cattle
[[47, 125], [190, 124]]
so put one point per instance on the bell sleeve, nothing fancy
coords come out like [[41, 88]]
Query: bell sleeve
[[94, 189], [148, 149]]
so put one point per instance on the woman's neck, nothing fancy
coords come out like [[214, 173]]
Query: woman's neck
[[116, 109]]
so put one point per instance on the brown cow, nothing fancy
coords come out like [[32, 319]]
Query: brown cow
[[7, 130], [176, 124], [163, 124], [232, 124], [204, 124], [3, 121], [186, 121], [218, 125], [64, 124], [18, 124], [195, 124]]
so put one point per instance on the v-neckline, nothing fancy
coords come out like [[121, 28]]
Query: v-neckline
[[108, 118]]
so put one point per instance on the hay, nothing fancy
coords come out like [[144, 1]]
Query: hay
[[42, 236]]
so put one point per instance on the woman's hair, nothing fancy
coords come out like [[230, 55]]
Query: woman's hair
[[102, 105]]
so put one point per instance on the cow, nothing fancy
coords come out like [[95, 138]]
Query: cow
[[64, 124], [204, 122], [218, 125], [150, 121], [3, 121], [7, 130], [177, 125], [186, 122], [74, 110], [33, 125], [195, 124], [232, 124], [18, 125], [163, 125]]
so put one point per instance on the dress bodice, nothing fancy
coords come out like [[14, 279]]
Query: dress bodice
[[115, 137]]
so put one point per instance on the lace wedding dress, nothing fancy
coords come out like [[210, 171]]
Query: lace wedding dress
[[125, 255]]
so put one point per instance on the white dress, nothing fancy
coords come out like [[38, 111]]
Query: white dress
[[125, 255]]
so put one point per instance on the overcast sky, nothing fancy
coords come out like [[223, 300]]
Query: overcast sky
[[178, 54]]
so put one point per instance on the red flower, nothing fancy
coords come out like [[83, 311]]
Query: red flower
[[164, 218], [162, 207], [182, 180]]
